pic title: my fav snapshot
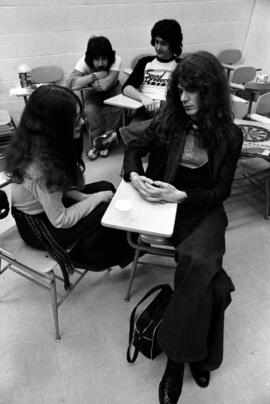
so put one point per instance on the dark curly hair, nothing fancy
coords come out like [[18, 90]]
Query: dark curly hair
[[98, 46], [169, 30], [44, 137], [199, 72]]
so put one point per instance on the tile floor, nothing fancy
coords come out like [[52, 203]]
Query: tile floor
[[89, 365]]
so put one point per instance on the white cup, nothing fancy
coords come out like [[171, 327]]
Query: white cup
[[123, 206]]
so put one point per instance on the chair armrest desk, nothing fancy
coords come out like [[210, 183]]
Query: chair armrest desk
[[154, 221], [150, 218], [124, 102]]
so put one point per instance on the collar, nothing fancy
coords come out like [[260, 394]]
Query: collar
[[165, 60]]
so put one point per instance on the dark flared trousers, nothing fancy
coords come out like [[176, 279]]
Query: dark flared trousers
[[193, 326]]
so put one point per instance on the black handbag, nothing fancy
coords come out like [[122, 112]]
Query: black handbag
[[144, 326], [4, 205]]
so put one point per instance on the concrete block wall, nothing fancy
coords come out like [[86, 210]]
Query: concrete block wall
[[55, 32], [257, 48]]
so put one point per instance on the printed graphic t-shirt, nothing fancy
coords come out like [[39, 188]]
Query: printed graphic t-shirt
[[151, 76]]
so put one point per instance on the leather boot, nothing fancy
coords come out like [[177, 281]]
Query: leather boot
[[201, 377], [170, 387]]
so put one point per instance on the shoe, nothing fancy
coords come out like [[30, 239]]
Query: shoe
[[170, 387], [107, 140], [201, 377], [93, 153], [104, 153]]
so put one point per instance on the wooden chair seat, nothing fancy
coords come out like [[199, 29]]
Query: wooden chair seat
[[147, 243]]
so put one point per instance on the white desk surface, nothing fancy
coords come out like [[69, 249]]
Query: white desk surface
[[122, 101], [234, 66], [252, 123], [145, 217], [235, 98], [259, 118], [20, 91]]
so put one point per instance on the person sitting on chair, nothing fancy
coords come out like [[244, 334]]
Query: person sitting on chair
[[148, 81], [50, 202], [193, 149], [98, 71]]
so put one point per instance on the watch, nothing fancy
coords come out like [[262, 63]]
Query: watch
[[132, 174]]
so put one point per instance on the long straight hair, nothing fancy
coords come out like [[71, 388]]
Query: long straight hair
[[45, 137], [199, 72], [99, 46]]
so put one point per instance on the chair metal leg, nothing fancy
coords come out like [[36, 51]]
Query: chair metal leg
[[250, 104], [54, 306], [132, 275]]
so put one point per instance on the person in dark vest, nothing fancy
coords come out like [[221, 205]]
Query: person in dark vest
[[193, 148]]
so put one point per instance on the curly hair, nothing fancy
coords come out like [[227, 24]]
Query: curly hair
[[169, 30], [99, 46], [199, 72], [44, 137]]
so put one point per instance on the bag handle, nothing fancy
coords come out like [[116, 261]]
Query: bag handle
[[131, 325]]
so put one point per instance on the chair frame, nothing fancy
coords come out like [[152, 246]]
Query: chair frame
[[249, 74], [230, 56], [46, 279], [141, 246], [261, 108], [256, 179]]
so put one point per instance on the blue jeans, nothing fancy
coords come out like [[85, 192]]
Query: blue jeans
[[101, 117]]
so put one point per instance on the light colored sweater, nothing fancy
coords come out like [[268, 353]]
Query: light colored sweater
[[31, 198]]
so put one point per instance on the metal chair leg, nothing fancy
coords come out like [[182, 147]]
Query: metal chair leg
[[132, 275], [54, 306]]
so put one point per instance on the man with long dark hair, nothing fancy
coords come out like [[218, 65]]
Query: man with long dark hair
[[194, 148], [99, 71], [149, 79]]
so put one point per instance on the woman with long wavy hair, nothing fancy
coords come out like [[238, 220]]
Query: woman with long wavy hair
[[50, 202], [193, 149]]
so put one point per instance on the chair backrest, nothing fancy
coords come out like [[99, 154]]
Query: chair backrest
[[7, 130], [263, 104], [243, 74], [128, 70], [136, 58], [46, 74], [5, 118], [230, 56]]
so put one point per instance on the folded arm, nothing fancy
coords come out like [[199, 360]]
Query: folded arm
[[59, 215], [105, 83], [78, 80]]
